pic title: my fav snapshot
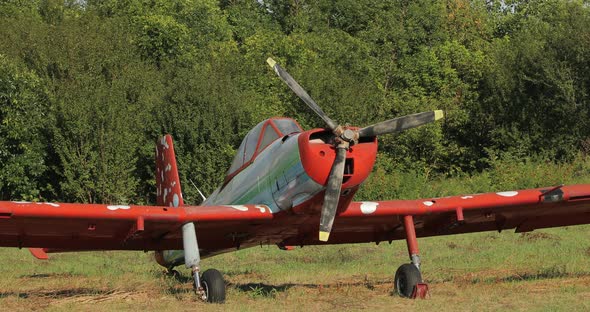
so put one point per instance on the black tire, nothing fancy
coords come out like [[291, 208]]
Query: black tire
[[214, 286], [406, 278]]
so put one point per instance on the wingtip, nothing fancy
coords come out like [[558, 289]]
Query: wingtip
[[271, 62], [324, 236], [438, 114]]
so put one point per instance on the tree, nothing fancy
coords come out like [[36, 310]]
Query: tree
[[24, 120]]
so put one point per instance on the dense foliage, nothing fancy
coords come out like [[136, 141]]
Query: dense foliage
[[87, 86]]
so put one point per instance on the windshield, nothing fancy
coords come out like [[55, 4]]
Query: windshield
[[261, 136]]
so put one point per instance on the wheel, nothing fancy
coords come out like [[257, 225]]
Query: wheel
[[406, 278], [213, 285]]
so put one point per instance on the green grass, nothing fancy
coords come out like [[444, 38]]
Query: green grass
[[542, 270], [546, 270]]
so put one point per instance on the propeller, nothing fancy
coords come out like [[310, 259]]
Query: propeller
[[344, 138], [301, 93]]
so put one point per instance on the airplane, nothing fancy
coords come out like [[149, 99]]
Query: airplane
[[289, 187]]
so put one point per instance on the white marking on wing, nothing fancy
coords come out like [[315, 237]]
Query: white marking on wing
[[368, 207], [50, 204], [262, 208], [508, 194], [115, 207], [466, 197], [428, 203], [238, 207]]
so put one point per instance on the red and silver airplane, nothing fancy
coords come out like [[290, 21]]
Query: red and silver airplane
[[282, 184]]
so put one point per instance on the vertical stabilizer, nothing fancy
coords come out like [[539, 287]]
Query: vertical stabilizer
[[168, 191]]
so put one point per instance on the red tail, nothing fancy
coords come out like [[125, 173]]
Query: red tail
[[168, 191]]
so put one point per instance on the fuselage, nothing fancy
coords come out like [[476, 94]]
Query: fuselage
[[275, 178], [288, 174]]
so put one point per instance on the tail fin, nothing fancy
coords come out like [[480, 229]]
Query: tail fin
[[168, 191]]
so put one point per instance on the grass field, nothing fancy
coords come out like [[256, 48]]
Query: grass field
[[539, 271]]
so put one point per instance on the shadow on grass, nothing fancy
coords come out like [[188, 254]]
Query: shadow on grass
[[47, 275], [544, 274], [263, 290], [178, 285], [56, 294], [180, 278], [268, 290]]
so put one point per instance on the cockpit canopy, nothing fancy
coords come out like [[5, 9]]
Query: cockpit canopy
[[259, 138]]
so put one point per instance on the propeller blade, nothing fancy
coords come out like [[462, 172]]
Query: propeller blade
[[332, 194], [301, 93], [401, 123]]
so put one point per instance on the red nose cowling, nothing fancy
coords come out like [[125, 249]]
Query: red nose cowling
[[317, 153]]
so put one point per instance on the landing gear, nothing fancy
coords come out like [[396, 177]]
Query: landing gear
[[209, 287], [213, 286], [408, 279]]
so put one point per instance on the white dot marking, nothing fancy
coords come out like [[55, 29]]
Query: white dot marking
[[368, 207], [508, 194], [238, 207], [428, 203], [115, 207], [175, 200], [164, 142], [50, 204]]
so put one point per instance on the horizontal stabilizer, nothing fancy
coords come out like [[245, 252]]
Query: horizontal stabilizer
[[39, 253]]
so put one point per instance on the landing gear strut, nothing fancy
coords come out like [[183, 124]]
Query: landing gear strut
[[210, 287], [408, 279]]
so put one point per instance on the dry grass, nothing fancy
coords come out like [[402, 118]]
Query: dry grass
[[566, 293], [488, 271]]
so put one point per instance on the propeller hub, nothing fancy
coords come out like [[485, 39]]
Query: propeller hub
[[349, 135]]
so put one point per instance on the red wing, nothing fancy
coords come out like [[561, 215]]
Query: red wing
[[102, 227], [523, 210]]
